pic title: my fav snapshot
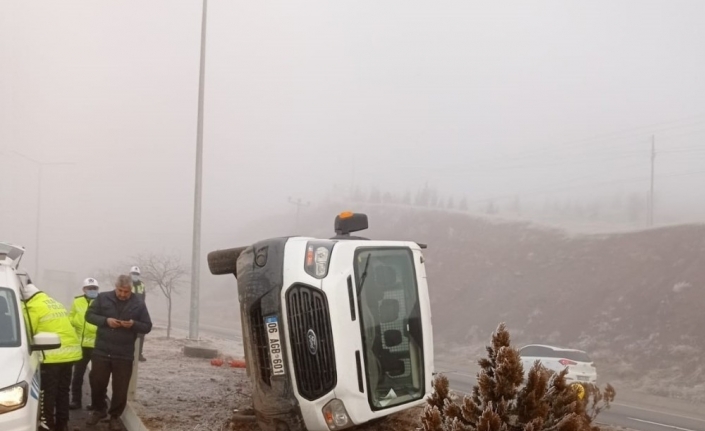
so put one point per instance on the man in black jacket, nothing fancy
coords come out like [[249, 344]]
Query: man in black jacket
[[120, 316]]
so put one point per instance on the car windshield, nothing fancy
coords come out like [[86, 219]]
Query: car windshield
[[390, 320], [9, 322]]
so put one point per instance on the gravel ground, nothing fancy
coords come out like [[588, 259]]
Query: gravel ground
[[178, 393]]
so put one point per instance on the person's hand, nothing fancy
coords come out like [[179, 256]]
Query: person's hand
[[127, 323], [113, 323]]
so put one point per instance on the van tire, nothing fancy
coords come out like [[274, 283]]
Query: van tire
[[222, 262]]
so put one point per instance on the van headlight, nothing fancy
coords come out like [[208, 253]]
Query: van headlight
[[318, 258], [13, 397], [336, 416]]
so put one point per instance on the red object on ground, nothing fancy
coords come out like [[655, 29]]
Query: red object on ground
[[217, 362], [237, 363]]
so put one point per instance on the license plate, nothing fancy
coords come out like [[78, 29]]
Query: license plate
[[275, 346]]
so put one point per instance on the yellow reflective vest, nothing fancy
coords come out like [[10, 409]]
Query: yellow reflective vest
[[85, 331], [45, 314], [139, 289]]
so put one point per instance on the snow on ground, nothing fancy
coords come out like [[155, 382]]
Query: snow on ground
[[178, 393]]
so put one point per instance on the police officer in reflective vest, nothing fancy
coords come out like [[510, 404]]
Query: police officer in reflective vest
[[86, 335], [140, 291], [45, 314]]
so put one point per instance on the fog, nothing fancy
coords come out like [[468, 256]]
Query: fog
[[488, 101]]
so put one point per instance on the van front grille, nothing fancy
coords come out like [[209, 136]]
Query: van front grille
[[311, 341]]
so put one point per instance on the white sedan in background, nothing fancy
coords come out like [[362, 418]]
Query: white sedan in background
[[580, 366]]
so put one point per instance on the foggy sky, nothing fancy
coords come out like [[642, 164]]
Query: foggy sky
[[485, 100]]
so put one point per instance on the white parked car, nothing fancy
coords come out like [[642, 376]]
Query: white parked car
[[20, 353], [580, 366]]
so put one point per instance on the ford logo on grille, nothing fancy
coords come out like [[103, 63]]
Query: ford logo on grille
[[312, 342]]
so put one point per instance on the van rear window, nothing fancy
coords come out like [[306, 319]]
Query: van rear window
[[9, 319]]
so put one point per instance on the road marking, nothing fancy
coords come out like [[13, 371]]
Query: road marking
[[659, 424], [651, 410], [660, 411], [462, 393], [457, 373]]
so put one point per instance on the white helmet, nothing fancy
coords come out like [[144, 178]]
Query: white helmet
[[90, 282], [135, 270]]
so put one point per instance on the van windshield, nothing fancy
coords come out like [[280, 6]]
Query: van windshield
[[390, 321], [9, 321]]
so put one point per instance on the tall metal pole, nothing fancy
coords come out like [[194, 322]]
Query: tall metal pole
[[40, 170], [39, 219], [196, 251], [651, 192]]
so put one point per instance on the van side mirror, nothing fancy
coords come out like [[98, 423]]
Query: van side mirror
[[46, 341]]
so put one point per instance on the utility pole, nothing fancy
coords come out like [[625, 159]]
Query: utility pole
[[40, 169], [39, 220], [298, 204], [196, 250], [651, 192]]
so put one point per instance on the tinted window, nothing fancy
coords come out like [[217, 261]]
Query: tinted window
[[9, 321], [531, 351], [573, 355]]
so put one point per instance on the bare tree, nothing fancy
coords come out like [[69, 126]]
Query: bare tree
[[165, 271]]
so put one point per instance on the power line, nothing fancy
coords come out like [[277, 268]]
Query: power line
[[650, 129], [688, 150], [644, 131], [583, 160], [596, 184]]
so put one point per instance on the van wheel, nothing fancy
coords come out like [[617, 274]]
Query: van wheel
[[224, 261]]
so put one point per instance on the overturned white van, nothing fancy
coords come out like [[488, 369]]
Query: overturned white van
[[337, 332]]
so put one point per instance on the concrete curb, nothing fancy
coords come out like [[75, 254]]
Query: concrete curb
[[131, 419]]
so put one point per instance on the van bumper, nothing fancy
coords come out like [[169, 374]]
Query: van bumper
[[19, 420]]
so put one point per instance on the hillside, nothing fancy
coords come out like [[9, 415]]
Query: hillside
[[633, 300]]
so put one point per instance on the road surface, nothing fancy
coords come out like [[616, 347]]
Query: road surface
[[618, 415]]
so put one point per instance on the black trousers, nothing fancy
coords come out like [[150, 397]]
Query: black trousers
[[102, 368], [55, 386], [79, 370]]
